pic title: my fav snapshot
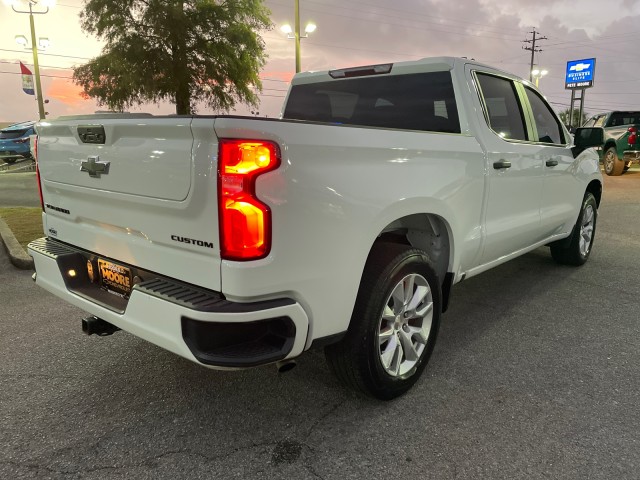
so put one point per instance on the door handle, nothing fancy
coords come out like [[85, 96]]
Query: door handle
[[501, 164], [551, 163]]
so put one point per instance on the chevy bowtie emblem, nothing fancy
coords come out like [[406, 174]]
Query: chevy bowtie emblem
[[95, 167]]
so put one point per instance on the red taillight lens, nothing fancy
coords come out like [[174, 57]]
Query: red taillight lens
[[633, 135], [35, 156], [245, 222]]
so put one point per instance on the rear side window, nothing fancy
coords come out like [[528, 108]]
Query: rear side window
[[421, 101], [503, 108], [547, 125]]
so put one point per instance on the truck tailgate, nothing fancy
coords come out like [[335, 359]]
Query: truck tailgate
[[147, 196]]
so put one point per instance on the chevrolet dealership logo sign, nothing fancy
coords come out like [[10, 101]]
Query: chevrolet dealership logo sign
[[580, 74], [579, 67]]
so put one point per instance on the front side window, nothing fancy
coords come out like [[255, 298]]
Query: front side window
[[547, 125], [503, 108]]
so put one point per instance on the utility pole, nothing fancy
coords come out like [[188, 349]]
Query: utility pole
[[533, 50], [34, 50]]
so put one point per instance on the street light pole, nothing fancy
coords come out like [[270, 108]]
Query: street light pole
[[297, 34], [34, 49]]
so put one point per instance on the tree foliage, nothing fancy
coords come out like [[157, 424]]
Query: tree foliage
[[182, 51], [577, 121]]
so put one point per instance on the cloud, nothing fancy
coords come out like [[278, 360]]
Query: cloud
[[66, 92], [363, 32]]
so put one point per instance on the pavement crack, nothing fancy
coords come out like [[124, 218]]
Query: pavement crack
[[329, 412]]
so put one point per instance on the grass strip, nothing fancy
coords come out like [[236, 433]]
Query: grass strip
[[24, 222]]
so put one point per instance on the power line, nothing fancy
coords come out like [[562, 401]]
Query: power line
[[48, 76], [47, 54]]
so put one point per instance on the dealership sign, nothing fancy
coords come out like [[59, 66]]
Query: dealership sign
[[580, 74]]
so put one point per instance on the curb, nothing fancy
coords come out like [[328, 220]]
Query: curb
[[17, 255]]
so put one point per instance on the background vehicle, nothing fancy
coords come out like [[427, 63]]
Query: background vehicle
[[621, 147], [15, 142], [236, 241]]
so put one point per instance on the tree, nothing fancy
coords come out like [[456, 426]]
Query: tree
[[577, 121], [182, 51]]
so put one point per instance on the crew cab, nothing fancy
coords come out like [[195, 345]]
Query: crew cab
[[621, 146], [240, 241]]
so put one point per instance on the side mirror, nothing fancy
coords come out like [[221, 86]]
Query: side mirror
[[587, 138]]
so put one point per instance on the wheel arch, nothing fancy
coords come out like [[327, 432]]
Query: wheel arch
[[608, 144], [431, 233], [595, 188]]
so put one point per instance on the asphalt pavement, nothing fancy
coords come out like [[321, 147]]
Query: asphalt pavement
[[535, 375]]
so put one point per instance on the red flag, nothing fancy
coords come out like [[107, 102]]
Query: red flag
[[27, 80]]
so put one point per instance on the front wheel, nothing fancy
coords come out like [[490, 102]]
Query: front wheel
[[394, 324], [577, 251], [612, 164]]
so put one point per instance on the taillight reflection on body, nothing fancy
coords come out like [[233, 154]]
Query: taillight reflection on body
[[245, 222], [35, 156]]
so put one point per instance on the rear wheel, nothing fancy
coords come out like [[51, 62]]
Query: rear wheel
[[394, 324], [577, 251], [612, 164]]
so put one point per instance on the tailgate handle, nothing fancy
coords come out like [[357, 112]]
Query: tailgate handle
[[501, 164], [92, 134]]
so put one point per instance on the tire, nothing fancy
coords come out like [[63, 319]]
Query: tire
[[577, 251], [612, 164], [389, 341]]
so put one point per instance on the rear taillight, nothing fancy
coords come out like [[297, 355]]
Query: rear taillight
[[633, 135], [21, 140], [35, 156], [244, 221]]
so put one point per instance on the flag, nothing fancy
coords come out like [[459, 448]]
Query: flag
[[27, 80]]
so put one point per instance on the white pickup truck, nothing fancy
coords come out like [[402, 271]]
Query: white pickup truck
[[237, 241]]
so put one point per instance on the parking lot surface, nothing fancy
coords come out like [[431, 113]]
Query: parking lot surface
[[535, 375]]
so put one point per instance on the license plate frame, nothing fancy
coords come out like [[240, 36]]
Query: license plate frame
[[115, 278]]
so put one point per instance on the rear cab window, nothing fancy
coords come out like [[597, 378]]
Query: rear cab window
[[416, 101], [624, 118]]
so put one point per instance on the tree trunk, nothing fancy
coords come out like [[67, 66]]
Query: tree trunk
[[183, 106], [180, 68]]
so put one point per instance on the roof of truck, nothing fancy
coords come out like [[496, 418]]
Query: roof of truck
[[429, 64]]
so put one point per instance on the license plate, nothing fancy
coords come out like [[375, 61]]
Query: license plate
[[114, 277]]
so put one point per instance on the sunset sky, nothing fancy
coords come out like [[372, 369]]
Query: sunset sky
[[361, 32]]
